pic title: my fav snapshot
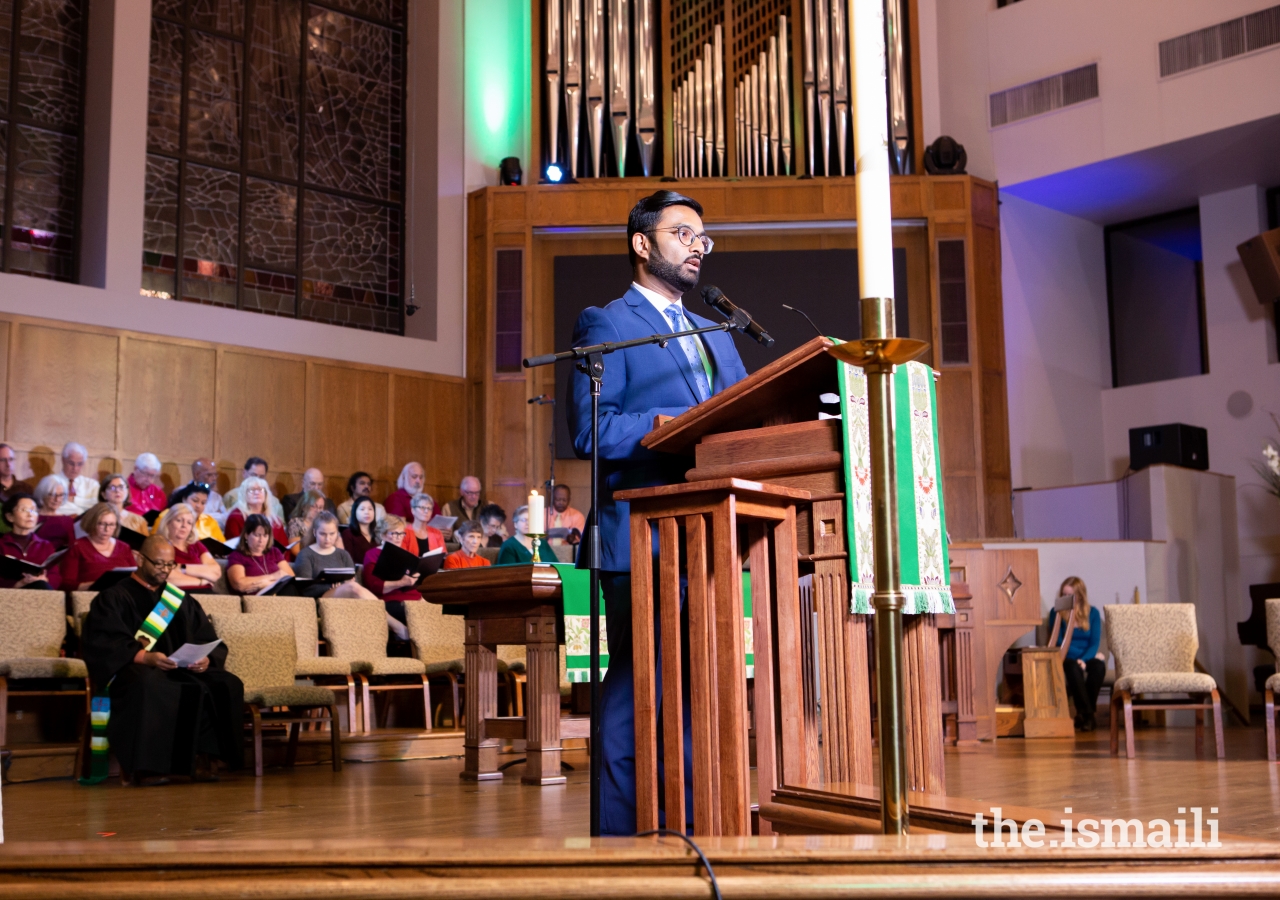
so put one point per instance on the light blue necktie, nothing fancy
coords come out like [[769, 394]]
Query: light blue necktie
[[678, 323]]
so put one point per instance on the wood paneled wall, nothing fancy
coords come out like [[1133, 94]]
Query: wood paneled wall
[[509, 437], [122, 393]]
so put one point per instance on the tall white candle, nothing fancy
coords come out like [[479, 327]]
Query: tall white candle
[[537, 513], [871, 146]]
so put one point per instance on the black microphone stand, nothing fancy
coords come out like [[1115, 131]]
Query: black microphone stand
[[591, 362]]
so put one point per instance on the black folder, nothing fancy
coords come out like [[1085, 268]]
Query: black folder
[[14, 569], [111, 578], [396, 562], [133, 538]]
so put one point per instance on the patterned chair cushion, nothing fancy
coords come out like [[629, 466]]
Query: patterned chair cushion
[[435, 636], [44, 667], [1152, 637], [32, 624], [1273, 683], [328, 665], [1273, 623], [440, 668], [354, 629], [290, 695], [1166, 683], [398, 665], [218, 606], [306, 625], [260, 649], [80, 602]]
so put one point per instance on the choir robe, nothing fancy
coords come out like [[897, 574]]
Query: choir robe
[[161, 719]]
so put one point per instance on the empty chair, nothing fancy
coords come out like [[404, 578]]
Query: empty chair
[[1155, 645], [329, 672], [437, 642], [219, 606], [33, 625], [261, 652], [357, 630], [1273, 683], [80, 602]]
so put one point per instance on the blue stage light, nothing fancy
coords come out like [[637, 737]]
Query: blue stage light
[[555, 174]]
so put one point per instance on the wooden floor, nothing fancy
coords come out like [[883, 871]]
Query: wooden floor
[[424, 798]]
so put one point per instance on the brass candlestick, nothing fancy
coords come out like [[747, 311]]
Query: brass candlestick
[[537, 541], [878, 353]]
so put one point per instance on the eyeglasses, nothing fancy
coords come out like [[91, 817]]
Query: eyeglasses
[[161, 566], [686, 235], [395, 534]]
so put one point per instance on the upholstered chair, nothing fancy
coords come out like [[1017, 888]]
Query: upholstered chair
[[1273, 683], [261, 652], [356, 630], [1155, 645]]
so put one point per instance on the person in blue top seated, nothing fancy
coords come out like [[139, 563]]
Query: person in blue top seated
[[519, 547], [1083, 670], [667, 243]]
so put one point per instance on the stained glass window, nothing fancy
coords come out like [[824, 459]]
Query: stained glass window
[[41, 106], [275, 171]]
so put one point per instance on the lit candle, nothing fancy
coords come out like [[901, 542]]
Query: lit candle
[[537, 513]]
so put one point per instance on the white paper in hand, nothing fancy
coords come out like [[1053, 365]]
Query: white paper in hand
[[187, 654], [442, 523]]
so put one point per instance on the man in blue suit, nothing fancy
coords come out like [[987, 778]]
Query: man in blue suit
[[667, 243]]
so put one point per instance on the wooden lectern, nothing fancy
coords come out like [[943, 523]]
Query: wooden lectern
[[766, 429]]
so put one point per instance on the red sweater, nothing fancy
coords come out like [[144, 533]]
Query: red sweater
[[84, 564], [378, 586], [33, 549], [235, 525]]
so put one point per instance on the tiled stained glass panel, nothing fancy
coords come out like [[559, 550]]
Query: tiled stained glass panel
[[42, 237], [391, 11], [226, 16], [211, 219], [164, 93], [6, 41], [160, 226], [49, 69], [273, 73], [269, 292], [353, 103], [213, 98], [171, 8], [271, 224], [350, 263]]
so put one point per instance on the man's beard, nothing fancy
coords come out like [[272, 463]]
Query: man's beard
[[672, 273]]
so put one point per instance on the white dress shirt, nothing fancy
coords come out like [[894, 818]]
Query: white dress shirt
[[661, 303], [82, 496]]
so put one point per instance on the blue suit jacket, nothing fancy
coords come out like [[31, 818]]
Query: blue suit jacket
[[639, 383]]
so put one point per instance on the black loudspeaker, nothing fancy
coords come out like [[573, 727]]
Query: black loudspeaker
[[1174, 445]]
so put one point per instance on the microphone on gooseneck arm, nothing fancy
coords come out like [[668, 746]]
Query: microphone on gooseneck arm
[[738, 317]]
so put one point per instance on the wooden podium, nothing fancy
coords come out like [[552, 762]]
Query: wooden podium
[[766, 429]]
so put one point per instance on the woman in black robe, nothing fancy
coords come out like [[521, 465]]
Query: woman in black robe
[[164, 720]]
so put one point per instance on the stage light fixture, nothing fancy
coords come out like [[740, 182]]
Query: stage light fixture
[[555, 174], [509, 171]]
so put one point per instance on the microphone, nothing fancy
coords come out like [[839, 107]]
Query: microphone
[[542, 399], [738, 317], [794, 309]]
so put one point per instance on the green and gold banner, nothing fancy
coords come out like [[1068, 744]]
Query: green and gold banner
[[922, 527]]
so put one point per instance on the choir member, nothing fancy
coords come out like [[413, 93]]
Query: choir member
[[82, 490], [493, 524], [519, 547], [164, 720], [252, 500], [203, 471], [145, 493], [196, 495], [10, 484], [422, 537], [410, 483], [98, 552], [197, 570], [325, 552], [55, 527], [312, 480], [471, 537], [468, 505], [257, 563], [254, 467], [22, 542], [401, 590], [360, 484], [358, 537], [311, 504], [115, 491], [562, 515]]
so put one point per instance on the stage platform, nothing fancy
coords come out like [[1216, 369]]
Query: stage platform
[[412, 828]]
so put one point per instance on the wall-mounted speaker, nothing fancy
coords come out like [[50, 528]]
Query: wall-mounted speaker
[[1261, 258], [1174, 445]]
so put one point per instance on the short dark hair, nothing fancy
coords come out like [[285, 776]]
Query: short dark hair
[[256, 461], [559, 486], [466, 528], [351, 482], [645, 214], [492, 511], [12, 503], [182, 494], [255, 522]]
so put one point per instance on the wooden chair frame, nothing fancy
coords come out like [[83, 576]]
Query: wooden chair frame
[[294, 722], [1123, 700], [82, 726], [1269, 700], [367, 688]]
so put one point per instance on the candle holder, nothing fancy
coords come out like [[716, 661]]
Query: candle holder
[[537, 541]]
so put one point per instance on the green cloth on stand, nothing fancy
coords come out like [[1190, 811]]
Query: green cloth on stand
[[922, 528]]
